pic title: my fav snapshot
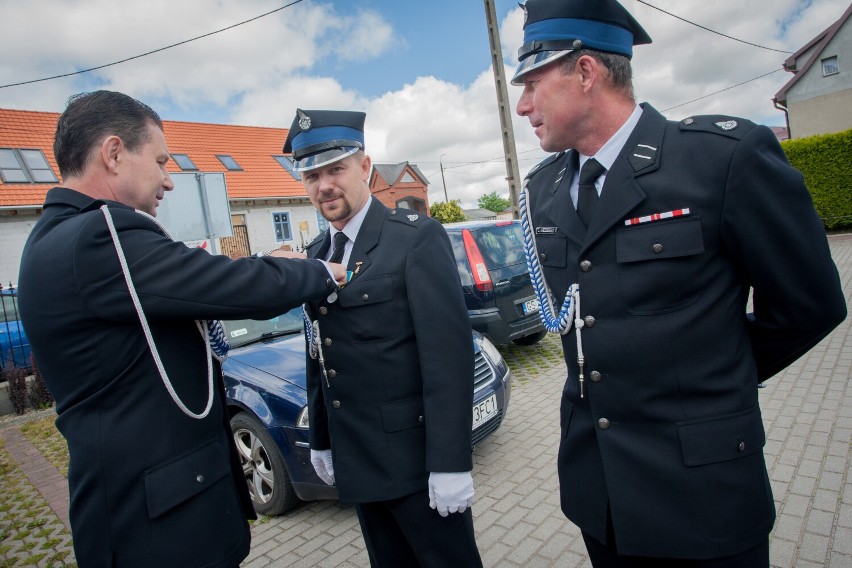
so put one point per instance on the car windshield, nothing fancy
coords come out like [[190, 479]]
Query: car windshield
[[243, 332]]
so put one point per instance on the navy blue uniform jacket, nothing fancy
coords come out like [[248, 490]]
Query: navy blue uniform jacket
[[669, 434], [399, 355], [149, 485]]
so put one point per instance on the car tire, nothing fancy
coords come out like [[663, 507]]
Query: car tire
[[263, 466], [530, 339]]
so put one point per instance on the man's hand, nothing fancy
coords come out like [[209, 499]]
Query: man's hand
[[339, 272], [321, 460], [281, 253], [450, 492]]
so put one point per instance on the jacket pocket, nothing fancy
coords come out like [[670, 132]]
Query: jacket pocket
[[722, 438], [170, 484], [402, 414], [657, 263], [368, 309], [552, 250]]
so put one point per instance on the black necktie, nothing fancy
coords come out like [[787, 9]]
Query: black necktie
[[340, 239], [587, 197]]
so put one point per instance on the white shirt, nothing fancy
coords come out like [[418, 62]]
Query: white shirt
[[351, 231], [607, 154]]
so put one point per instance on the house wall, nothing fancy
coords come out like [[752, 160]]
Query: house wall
[[14, 230], [818, 104], [261, 231]]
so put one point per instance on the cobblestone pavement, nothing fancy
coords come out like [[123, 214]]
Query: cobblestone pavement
[[807, 411]]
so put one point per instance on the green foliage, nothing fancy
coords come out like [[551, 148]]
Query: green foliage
[[447, 212], [493, 202], [824, 161]]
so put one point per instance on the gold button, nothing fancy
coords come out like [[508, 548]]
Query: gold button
[[327, 342], [586, 265], [595, 376], [589, 321], [332, 373], [603, 423], [658, 248], [335, 403], [323, 310]]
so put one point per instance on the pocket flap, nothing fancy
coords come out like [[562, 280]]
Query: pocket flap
[[402, 414], [552, 250], [172, 483], [721, 438], [659, 240], [365, 292]]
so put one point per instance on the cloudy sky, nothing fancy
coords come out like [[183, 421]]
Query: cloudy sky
[[420, 69]]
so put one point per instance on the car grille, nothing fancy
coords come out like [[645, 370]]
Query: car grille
[[483, 374], [480, 433]]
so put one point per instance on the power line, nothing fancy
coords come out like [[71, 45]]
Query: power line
[[711, 31], [150, 52], [721, 90]]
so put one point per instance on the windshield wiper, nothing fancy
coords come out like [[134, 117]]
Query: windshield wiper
[[279, 333]]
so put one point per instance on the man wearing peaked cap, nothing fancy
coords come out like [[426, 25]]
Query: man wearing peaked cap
[[654, 232], [390, 359]]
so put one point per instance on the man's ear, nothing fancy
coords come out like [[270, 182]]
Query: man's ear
[[366, 164], [111, 151], [587, 70]]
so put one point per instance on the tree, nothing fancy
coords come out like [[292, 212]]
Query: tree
[[493, 202], [447, 212]]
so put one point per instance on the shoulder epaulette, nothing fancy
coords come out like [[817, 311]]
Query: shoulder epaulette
[[406, 216], [547, 161], [730, 126]]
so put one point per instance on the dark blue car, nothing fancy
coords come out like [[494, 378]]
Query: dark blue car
[[14, 345], [267, 401]]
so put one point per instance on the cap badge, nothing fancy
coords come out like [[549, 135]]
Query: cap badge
[[304, 120], [412, 218], [578, 43], [726, 125]]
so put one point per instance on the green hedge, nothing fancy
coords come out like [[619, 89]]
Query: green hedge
[[826, 162]]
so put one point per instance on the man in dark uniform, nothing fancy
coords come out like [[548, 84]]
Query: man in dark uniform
[[665, 227], [111, 306], [390, 363]]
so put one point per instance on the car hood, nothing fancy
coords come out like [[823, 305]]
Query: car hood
[[281, 357]]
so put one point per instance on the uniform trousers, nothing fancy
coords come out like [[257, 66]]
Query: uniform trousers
[[407, 532], [606, 556]]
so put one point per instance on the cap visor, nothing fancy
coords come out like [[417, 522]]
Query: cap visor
[[325, 158], [535, 61]]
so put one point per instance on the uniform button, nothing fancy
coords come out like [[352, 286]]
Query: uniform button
[[586, 265], [603, 423], [332, 373], [658, 248], [595, 376], [200, 479], [335, 403], [327, 342], [542, 256], [589, 321], [420, 419], [365, 297], [323, 310], [329, 283], [741, 447]]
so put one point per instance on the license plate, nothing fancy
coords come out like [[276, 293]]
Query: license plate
[[531, 306], [485, 411]]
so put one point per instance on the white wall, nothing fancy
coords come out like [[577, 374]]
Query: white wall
[[14, 230], [261, 231]]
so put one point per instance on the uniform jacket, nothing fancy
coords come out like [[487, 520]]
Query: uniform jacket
[[669, 433], [149, 486], [398, 351]]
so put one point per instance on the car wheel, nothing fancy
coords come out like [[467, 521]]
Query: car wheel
[[530, 339], [263, 467]]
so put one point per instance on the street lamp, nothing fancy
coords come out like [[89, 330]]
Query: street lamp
[[443, 181]]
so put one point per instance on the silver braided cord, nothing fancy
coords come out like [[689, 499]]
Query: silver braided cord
[[569, 312], [147, 331]]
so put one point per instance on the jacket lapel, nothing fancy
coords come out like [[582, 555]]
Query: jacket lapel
[[367, 239], [621, 193], [556, 203]]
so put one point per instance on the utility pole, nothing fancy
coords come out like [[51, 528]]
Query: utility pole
[[512, 174], [443, 181]]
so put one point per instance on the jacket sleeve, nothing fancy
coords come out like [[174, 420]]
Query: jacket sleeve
[[174, 281], [777, 241], [445, 347]]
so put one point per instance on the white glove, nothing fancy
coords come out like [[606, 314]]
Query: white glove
[[450, 492], [321, 460]]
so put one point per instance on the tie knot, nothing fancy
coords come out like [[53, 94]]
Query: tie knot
[[340, 239], [591, 171]]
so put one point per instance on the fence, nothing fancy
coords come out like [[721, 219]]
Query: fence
[[14, 345]]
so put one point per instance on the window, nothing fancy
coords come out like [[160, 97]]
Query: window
[[229, 162], [829, 66], [287, 163], [183, 161], [281, 224], [322, 222], [25, 166]]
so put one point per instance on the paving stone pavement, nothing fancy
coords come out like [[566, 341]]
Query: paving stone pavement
[[807, 412]]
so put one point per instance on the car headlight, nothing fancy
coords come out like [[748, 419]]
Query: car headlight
[[302, 421], [490, 351]]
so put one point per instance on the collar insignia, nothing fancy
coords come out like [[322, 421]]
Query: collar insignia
[[304, 121], [412, 218], [726, 125]]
